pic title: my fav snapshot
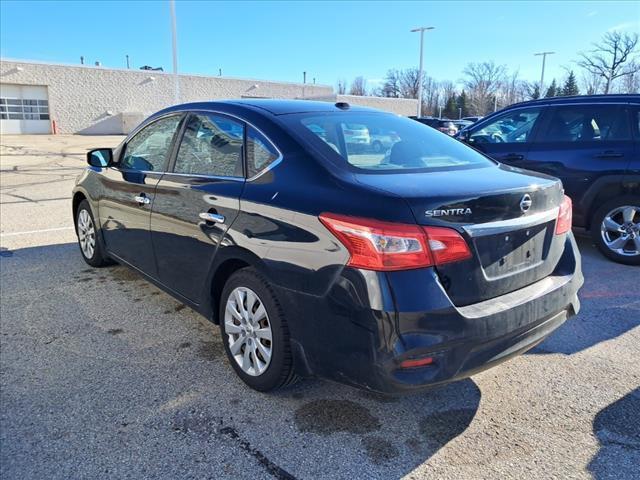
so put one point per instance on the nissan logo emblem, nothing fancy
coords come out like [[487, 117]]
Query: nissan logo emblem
[[525, 203]]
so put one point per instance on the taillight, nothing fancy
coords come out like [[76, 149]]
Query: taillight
[[565, 216], [386, 246]]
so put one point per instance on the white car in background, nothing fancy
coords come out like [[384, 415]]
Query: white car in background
[[356, 134], [382, 140]]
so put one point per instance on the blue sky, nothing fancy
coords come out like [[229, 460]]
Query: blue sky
[[330, 40]]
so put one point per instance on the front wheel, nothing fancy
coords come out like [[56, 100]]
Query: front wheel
[[89, 238], [255, 332], [615, 229]]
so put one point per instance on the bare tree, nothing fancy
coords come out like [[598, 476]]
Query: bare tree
[[358, 86], [612, 57], [591, 82], [342, 86], [391, 85], [631, 83], [482, 82]]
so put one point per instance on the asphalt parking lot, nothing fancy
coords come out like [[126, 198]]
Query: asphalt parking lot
[[102, 375]]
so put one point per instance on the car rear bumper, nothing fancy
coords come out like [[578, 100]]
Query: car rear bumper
[[370, 322]]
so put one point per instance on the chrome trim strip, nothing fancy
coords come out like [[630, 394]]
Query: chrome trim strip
[[198, 175], [503, 226]]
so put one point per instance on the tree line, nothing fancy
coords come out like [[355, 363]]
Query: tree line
[[611, 66]]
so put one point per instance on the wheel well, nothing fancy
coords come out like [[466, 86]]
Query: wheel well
[[77, 198], [224, 271], [608, 192]]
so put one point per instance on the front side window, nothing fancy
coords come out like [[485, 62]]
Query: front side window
[[260, 152], [377, 142], [211, 145], [586, 123], [148, 149], [513, 127]]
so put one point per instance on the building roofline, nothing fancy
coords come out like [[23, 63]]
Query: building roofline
[[158, 72]]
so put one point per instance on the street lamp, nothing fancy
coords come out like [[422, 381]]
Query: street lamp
[[544, 58], [421, 30], [174, 48]]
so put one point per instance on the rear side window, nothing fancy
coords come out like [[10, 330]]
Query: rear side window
[[586, 123], [211, 145], [148, 149], [512, 127], [260, 152], [353, 140]]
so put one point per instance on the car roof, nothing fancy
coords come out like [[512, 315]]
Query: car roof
[[274, 106], [610, 98]]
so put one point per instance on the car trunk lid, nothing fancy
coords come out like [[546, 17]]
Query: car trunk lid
[[506, 215]]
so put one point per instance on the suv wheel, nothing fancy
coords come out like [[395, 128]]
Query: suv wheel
[[255, 332], [89, 238], [615, 229]]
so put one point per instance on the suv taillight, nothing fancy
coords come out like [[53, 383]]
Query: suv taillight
[[386, 246], [565, 216]]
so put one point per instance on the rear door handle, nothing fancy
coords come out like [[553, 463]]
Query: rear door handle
[[212, 217], [512, 157], [142, 199], [610, 154]]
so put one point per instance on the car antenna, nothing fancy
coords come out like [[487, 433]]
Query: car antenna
[[343, 105]]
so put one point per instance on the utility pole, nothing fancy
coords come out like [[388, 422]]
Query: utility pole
[[544, 58], [127, 61], [174, 43], [81, 60], [304, 82], [421, 30], [219, 72], [459, 113]]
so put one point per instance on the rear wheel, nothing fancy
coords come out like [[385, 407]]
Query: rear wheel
[[377, 146], [89, 238], [615, 229], [255, 332]]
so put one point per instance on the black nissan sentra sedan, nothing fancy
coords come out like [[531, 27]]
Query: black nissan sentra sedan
[[388, 269]]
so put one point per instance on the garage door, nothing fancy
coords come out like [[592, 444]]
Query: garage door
[[24, 109]]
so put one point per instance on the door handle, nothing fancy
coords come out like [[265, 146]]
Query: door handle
[[610, 154], [142, 199], [513, 156], [212, 217]]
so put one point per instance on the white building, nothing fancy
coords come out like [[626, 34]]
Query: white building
[[51, 98]]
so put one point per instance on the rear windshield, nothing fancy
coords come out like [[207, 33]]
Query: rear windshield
[[383, 142]]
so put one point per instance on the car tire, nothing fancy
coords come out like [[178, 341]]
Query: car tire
[[605, 234], [255, 332], [89, 238], [377, 146]]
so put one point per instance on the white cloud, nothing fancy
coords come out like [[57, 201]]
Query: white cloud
[[592, 13], [626, 26]]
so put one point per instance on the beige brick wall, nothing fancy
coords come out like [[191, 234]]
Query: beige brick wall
[[95, 100]]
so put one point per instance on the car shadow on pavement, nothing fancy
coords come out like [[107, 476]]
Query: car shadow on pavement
[[610, 305], [617, 428], [125, 363]]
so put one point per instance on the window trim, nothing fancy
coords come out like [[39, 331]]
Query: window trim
[[141, 127], [534, 129], [268, 167]]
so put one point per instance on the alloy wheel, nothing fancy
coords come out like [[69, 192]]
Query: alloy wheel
[[248, 329], [620, 230], [86, 234]]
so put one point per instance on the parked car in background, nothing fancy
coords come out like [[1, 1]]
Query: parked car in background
[[441, 124], [356, 135], [382, 139], [391, 272], [462, 124], [592, 143]]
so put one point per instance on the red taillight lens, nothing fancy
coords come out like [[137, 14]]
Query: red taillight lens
[[565, 216], [387, 246]]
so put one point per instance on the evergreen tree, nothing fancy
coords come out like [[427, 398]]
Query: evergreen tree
[[570, 85], [463, 103], [534, 91], [552, 91], [450, 108]]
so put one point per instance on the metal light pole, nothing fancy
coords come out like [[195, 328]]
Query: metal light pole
[[544, 58], [421, 30], [174, 41], [127, 61]]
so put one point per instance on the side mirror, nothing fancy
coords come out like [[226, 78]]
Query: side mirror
[[100, 157]]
